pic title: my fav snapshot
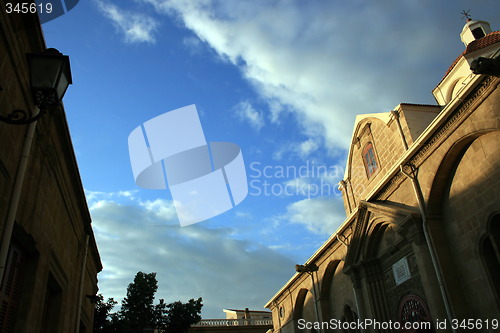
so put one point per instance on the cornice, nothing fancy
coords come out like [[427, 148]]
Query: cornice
[[456, 118]]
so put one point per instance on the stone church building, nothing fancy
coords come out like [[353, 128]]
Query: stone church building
[[421, 243]]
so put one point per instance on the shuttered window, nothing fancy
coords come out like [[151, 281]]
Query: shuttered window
[[10, 289]]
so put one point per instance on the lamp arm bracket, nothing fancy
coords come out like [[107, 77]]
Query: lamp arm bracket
[[21, 117]]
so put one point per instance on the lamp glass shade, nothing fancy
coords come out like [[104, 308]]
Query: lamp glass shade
[[50, 76], [64, 81]]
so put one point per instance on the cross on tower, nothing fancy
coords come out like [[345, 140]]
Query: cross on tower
[[466, 15]]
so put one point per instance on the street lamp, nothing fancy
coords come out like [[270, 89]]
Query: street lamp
[[50, 76], [307, 268]]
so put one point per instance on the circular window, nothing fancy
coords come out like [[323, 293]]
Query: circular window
[[413, 309], [282, 312]]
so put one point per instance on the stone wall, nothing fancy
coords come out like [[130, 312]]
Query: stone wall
[[52, 236]]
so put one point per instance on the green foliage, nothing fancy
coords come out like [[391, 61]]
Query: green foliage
[[138, 312], [102, 312], [180, 316]]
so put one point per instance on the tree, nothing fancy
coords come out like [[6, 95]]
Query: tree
[[180, 316], [102, 312], [138, 312]]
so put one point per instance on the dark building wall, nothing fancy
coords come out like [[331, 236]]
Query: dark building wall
[[52, 244]]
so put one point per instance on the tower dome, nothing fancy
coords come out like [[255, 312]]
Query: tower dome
[[474, 30]]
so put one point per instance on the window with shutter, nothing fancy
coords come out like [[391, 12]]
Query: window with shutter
[[10, 289]]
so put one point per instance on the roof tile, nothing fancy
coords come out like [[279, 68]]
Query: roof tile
[[489, 39]]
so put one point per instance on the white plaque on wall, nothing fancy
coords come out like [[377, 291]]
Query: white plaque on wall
[[401, 271]]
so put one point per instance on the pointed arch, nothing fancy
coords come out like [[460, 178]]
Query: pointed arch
[[446, 168], [326, 286], [299, 303], [349, 316], [361, 123], [375, 238], [304, 308], [462, 192]]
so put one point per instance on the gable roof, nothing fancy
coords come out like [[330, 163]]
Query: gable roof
[[360, 119]]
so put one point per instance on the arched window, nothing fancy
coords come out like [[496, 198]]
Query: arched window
[[370, 160], [350, 317], [412, 309]]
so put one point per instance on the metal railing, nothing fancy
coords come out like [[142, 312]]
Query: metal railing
[[233, 322]]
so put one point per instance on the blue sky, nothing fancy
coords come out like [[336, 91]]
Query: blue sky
[[282, 79]]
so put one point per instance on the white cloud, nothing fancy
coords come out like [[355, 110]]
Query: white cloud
[[301, 149], [326, 61], [246, 112], [137, 28], [190, 262], [321, 215], [98, 197], [160, 209], [307, 147]]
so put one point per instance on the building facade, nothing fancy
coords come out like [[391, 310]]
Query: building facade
[[52, 258], [236, 321], [247, 314], [421, 241]]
